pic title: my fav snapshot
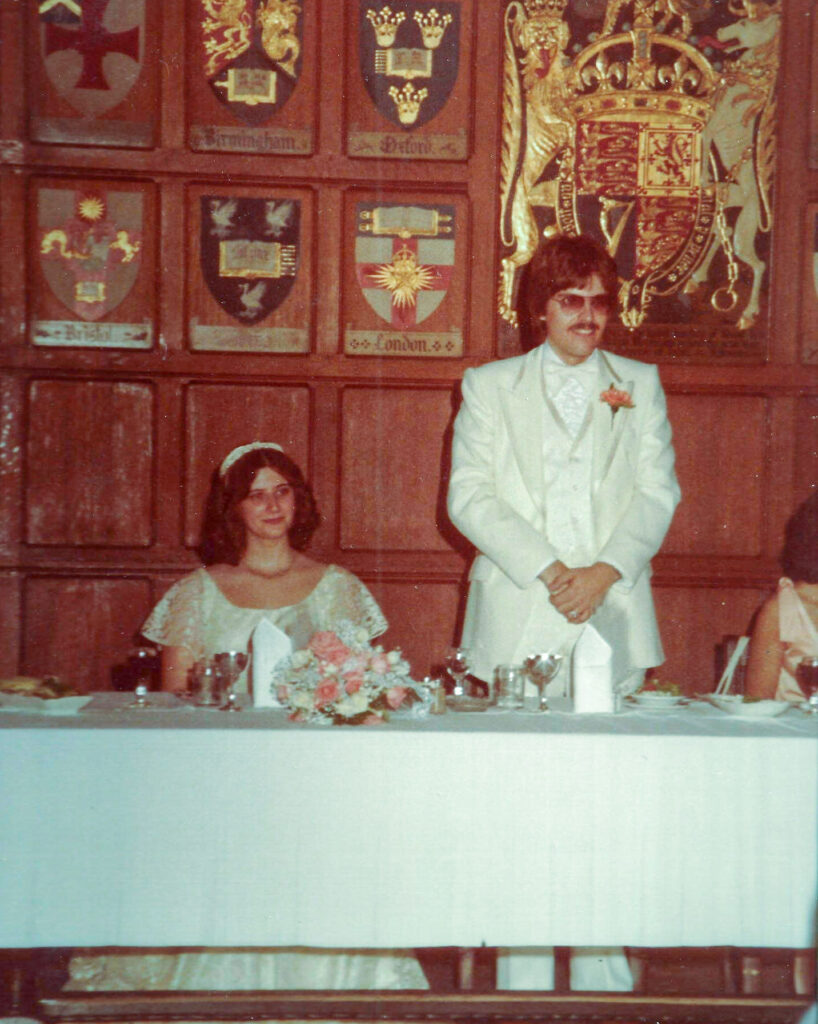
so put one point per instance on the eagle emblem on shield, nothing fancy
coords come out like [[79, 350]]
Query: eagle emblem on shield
[[90, 244], [654, 132], [92, 50], [249, 253], [408, 54], [404, 259], [252, 52]]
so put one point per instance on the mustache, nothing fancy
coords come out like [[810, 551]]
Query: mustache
[[585, 325]]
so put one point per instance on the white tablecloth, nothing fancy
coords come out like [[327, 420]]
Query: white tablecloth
[[688, 827]]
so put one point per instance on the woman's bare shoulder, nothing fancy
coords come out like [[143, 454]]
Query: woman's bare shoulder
[[768, 614]]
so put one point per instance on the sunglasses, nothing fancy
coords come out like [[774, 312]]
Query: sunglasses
[[569, 302]]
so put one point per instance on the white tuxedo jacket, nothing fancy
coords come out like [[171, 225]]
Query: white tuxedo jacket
[[496, 499]]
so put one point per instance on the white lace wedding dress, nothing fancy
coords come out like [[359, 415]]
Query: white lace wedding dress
[[195, 614]]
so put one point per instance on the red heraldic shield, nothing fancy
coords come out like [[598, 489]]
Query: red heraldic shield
[[90, 247], [92, 50]]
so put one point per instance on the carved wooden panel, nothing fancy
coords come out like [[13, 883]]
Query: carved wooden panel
[[405, 273], [92, 72], [392, 454], [809, 283], [11, 461], [408, 79], [78, 629], [89, 462], [249, 268], [423, 620], [92, 251], [9, 624], [692, 620], [720, 449], [220, 417], [251, 75], [805, 450]]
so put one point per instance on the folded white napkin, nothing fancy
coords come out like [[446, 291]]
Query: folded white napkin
[[268, 646], [592, 676]]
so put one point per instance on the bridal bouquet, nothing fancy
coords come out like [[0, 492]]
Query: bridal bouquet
[[340, 678]]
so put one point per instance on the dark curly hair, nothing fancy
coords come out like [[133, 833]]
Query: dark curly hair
[[224, 535], [562, 262], [799, 556]]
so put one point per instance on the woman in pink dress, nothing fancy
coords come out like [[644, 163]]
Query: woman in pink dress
[[786, 629]]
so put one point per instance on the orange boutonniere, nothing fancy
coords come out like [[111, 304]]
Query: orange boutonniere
[[616, 399]]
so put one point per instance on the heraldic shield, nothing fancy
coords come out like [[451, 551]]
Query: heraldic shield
[[404, 259], [650, 125], [637, 187], [249, 253], [90, 247], [408, 57], [92, 50], [252, 53]]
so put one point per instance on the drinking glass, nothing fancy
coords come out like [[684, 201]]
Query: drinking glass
[[457, 665], [807, 675], [541, 669], [230, 665], [141, 662], [509, 686], [206, 684]]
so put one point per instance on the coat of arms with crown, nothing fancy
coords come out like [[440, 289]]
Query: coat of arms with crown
[[409, 57], [650, 125]]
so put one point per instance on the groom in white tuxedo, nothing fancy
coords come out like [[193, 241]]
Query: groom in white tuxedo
[[563, 479]]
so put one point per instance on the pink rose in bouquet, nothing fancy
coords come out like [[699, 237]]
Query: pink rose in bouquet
[[329, 647], [326, 693], [395, 696], [353, 681]]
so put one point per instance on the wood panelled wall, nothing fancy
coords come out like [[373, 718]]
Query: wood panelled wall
[[107, 453]]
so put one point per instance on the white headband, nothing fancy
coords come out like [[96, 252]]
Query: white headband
[[243, 449]]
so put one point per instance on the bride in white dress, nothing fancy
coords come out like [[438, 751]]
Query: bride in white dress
[[261, 515]]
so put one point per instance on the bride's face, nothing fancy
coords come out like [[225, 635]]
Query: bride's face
[[268, 511]]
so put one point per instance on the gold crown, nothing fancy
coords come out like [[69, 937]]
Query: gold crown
[[408, 102], [385, 24], [619, 77], [432, 26], [548, 7], [404, 257]]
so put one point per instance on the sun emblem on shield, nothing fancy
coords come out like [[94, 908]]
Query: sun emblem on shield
[[404, 277]]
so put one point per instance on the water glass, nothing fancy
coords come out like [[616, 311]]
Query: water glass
[[807, 675], [206, 685], [509, 686]]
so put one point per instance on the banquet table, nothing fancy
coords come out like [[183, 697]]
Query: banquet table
[[179, 826]]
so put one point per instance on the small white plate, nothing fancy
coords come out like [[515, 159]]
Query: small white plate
[[655, 699], [734, 704]]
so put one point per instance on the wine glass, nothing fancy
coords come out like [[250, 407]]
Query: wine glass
[[141, 664], [541, 669], [230, 665], [807, 675], [457, 665]]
